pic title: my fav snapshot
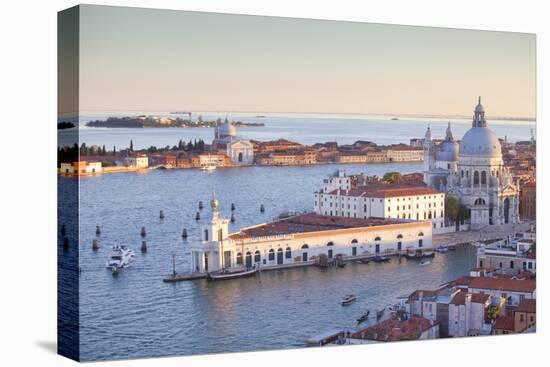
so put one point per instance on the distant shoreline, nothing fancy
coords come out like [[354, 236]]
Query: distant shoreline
[[143, 121]]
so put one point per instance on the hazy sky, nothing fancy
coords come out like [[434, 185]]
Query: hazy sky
[[159, 60]]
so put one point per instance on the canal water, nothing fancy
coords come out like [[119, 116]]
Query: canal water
[[137, 315]]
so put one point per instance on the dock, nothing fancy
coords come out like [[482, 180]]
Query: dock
[[183, 277], [326, 337]]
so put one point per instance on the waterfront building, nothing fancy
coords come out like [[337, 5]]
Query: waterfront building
[[80, 168], [513, 289], [239, 150], [478, 178], [302, 239], [278, 145], [508, 255], [463, 305], [394, 329], [458, 312], [404, 153], [400, 201], [288, 158], [137, 161], [212, 159]]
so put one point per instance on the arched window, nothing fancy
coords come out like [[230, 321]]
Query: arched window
[[461, 173], [483, 177], [239, 258], [399, 236], [404, 216], [430, 214], [476, 178], [206, 234], [353, 241], [330, 243], [240, 158], [479, 201], [288, 253], [257, 257], [304, 246], [271, 255], [378, 238], [421, 234]]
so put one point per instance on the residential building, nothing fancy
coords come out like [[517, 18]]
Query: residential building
[[137, 161], [508, 255], [394, 329], [80, 168], [338, 198]]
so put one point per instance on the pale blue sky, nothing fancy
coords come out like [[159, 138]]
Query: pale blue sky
[[162, 60]]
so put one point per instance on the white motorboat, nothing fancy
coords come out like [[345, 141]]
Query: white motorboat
[[120, 257], [208, 168], [425, 262]]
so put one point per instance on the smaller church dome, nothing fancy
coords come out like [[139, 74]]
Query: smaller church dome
[[448, 151]]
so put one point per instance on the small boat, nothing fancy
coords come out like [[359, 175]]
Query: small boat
[[381, 259], [362, 261], [348, 299], [208, 168], [441, 249], [120, 257], [364, 317], [394, 118], [425, 262], [379, 314], [232, 274]]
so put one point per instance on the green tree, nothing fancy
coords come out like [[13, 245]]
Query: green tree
[[451, 208], [392, 177]]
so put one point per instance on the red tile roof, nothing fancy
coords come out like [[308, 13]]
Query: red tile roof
[[504, 323], [527, 305], [503, 284], [388, 191], [394, 330], [311, 222]]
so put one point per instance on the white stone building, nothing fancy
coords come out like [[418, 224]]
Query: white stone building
[[138, 161], [238, 149], [477, 177], [300, 239], [338, 198]]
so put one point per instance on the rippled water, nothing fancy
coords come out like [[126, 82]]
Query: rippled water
[[137, 315]]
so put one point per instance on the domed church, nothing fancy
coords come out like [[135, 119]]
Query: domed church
[[226, 140], [474, 173]]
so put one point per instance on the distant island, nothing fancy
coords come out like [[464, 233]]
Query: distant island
[[143, 121]]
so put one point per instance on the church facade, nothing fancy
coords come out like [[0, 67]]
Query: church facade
[[473, 172], [238, 149]]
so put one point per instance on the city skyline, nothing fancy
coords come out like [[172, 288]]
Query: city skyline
[[155, 60]]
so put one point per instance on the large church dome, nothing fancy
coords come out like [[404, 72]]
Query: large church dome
[[480, 140], [227, 129]]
